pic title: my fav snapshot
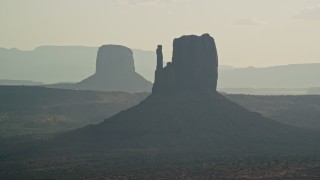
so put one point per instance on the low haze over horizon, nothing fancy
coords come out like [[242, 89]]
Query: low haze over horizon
[[246, 33]]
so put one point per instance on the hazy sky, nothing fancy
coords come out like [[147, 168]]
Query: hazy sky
[[247, 32]]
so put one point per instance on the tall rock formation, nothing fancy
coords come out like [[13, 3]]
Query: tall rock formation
[[194, 66], [115, 71], [185, 114]]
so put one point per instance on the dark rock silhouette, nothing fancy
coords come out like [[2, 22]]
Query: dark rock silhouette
[[115, 71], [159, 58], [185, 114], [194, 66]]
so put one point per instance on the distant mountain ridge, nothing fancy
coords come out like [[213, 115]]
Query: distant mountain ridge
[[54, 64], [48, 64], [284, 76], [57, 64]]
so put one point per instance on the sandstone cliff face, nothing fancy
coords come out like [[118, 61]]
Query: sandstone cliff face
[[115, 71], [194, 66]]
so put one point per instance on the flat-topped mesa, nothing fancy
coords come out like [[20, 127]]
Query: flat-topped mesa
[[113, 60], [194, 66], [115, 71]]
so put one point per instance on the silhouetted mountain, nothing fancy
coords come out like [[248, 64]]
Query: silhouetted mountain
[[177, 124], [19, 82], [286, 76], [115, 71], [185, 113], [48, 64]]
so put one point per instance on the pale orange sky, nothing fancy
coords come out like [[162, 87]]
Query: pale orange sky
[[247, 32]]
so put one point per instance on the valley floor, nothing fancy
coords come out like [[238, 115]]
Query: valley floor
[[110, 166], [43, 110]]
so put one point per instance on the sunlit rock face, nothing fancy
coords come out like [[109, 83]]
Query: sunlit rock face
[[194, 66], [115, 71]]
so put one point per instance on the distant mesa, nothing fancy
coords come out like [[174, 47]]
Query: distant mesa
[[114, 60], [115, 71]]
